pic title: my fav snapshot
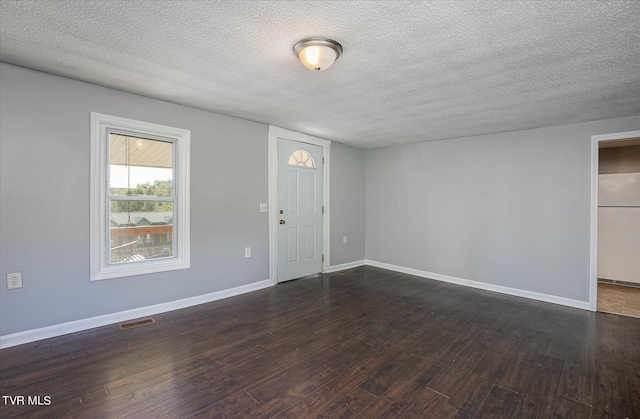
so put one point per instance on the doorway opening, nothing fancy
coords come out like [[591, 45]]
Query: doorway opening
[[615, 224], [299, 210]]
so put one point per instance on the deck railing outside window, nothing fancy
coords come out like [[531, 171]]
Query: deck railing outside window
[[129, 244]]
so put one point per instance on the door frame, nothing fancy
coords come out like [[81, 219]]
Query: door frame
[[274, 134], [595, 149]]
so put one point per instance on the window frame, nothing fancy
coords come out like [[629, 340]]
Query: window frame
[[101, 127]]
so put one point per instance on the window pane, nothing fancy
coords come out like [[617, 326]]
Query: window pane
[[140, 230], [301, 158], [139, 166]]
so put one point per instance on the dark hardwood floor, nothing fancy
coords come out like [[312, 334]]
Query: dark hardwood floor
[[365, 342]]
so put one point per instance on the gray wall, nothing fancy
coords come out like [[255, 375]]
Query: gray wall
[[347, 203], [44, 212], [508, 209]]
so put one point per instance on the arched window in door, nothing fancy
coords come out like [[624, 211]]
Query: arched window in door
[[301, 158]]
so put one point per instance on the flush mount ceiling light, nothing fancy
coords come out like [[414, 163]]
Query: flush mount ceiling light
[[317, 53]]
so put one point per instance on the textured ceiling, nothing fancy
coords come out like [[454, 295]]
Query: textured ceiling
[[411, 71]]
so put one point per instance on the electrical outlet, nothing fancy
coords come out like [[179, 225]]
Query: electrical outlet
[[247, 252], [14, 280], [263, 207], [344, 240]]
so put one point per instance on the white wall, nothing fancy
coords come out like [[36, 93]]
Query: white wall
[[508, 209], [44, 202]]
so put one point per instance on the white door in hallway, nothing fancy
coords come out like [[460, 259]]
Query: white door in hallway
[[299, 227]]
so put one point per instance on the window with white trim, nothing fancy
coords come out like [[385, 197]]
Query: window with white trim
[[139, 197]]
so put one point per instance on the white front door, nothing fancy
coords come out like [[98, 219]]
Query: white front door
[[299, 215]]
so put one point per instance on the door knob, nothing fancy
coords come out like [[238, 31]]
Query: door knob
[[281, 221]]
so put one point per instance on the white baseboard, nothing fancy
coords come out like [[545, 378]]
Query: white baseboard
[[343, 266], [92, 322], [106, 319], [584, 305]]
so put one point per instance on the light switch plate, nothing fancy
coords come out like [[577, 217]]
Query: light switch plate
[[263, 207]]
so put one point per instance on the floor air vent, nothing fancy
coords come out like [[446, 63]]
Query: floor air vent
[[137, 323]]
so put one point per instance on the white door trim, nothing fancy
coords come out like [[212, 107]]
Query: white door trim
[[593, 270], [274, 134]]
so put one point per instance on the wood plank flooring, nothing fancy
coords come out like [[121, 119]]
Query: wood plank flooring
[[619, 299], [365, 343]]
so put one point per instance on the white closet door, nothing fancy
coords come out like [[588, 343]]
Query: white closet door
[[619, 227]]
